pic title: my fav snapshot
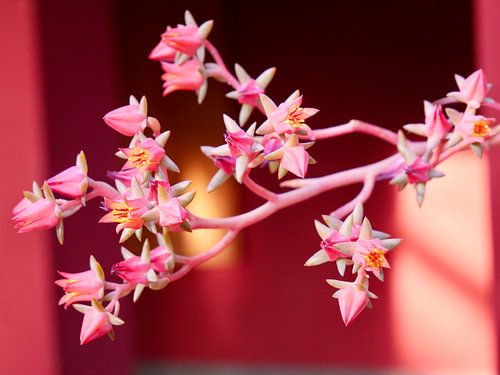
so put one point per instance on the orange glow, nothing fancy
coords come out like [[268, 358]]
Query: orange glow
[[443, 273], [222, 202]]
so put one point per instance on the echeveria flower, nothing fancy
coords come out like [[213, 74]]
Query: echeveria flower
[[82, 286], [472, 90], [293, 157], [131, 119], [41, 214], [145, 155], [96, 321], [289, 117], [353, 297], [249, 90], [187, 38], [72, 182], [186, 76]]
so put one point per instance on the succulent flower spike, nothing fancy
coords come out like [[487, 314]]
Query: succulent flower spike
[[472, 90], [249, 90]]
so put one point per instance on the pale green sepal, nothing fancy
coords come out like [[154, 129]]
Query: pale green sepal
[[317, 258], [323, 231]]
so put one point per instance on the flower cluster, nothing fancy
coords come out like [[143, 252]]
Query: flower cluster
[[144, 204], [443, 132], [353, 242], [275, 143]]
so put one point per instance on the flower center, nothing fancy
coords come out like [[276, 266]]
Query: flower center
[[140, 158], [482, 128], [120, 212], [375, 259], [295, 117]]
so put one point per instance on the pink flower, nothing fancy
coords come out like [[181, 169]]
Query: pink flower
[[370, 254], [183, 38], [240, 143], [292, 156], [162, 52], [126, 212], [127, 120], [159, 258], [271, 142], [225, 163], [472, 90], [96, 321], [73, 181], [352, 301], [186, 76], [132, 270], [328, 245], [145, 155], [418, 171], [437, 124], [249, 90], [474, 128], [82, 286], [41, 214], [289, 117], [172, 214], [353, 297]]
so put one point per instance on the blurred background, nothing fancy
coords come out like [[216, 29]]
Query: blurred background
[[256, 309]]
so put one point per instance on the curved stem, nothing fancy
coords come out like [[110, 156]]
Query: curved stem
[[314, 187], [363, 195], [104, 189], [445, 100], [259, 190], [231, 80], [356, 126], [193, 261]]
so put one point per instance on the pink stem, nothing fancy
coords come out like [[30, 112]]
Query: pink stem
[[356, 126], [259, 190], [363, 195], [314, 187], [493, 105], [193, 261], [104, 189], [444, 101], [99, 189], [231, 80]]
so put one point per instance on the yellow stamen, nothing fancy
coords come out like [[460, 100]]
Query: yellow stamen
[[375, 259], [482, 128], [120, 212], [139, 157], [294, 117]]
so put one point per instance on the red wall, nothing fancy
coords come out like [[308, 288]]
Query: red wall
[[27, 322]]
